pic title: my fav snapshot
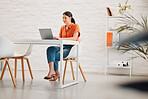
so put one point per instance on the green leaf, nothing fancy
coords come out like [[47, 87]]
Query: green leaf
[[126, 2], [141, 55], [144, 22], [147, 51], [134, 19], [120, 11], [119, 4], [129, 7], [124, 8]]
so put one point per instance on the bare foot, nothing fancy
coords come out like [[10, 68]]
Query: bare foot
[[51, 73], [57, 73]]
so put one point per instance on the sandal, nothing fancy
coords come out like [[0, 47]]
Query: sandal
[[54, 78], [49, 77]]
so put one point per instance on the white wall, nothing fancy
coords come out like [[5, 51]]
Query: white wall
[[21, 19]]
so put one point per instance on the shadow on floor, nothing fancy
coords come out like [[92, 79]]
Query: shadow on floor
[[139, 85]]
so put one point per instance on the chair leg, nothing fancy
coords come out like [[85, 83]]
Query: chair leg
[[82, 73], [64, 71], [72, 70], [11, 73], [15, 67], [22, 61], [29, 68], [3, 71]]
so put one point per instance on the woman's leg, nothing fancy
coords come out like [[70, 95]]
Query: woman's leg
[[51, 68], [66, 51], [51, 52]]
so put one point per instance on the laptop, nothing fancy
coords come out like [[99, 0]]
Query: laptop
[[46, 34]]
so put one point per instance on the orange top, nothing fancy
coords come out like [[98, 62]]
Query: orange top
[[72, 28]]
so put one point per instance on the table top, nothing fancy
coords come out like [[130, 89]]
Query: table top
[[50, 42]]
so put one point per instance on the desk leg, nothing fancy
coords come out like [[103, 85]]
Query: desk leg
[[77, 65], [61, 61], [61, 69]]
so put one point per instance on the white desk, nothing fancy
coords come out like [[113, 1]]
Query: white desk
[[56, 42]]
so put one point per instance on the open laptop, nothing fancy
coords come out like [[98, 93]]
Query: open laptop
[[46, 34]]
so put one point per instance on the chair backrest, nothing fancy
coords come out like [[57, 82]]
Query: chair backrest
[[6, 48], [29, 50], [73, 51], [23, 49]]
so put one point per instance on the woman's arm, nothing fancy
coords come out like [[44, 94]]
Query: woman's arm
[[74, 38]]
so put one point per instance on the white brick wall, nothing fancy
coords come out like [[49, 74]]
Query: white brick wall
[[22, 19]]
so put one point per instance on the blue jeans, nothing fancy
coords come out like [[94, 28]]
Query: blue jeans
[[53, 54]]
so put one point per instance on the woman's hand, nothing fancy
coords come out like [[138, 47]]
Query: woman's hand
[[56, 38]]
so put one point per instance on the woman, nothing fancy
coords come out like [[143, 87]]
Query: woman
[[69, 31]]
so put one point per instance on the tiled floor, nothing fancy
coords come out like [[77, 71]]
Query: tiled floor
[[98, 87]]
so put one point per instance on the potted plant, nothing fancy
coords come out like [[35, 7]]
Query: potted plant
[[133, 25]]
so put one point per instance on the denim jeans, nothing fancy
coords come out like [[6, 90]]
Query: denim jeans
[[53, 54]]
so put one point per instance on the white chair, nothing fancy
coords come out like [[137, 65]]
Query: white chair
[[72, 58], [6, 52], [21, 52]]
